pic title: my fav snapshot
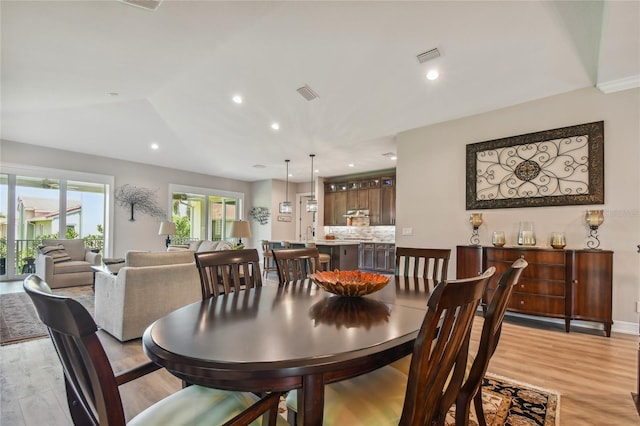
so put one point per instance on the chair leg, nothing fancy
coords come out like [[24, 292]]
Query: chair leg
[[463, 409], [477, 403]]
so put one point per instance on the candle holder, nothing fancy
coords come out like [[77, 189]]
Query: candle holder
[[526, 236], [498, 239], [475, 219], [594, 219], [557, 240]]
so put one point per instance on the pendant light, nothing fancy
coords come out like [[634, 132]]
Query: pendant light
[[286, 206], [312, 204]]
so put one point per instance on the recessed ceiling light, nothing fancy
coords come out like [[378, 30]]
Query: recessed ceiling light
[[316, 171], [155, 146], [290, 175], [432, 75], [275, 126], [237, 99], [393, 157], [352, 165]]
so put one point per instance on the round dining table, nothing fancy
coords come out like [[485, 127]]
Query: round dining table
[[284, 337]]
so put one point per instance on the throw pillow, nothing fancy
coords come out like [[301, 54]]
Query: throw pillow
[[223, 245], [58, 253], [114, 264]]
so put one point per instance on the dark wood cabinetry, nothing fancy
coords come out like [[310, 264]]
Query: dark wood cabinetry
[[377, 194], [567, 284], [335, 204]]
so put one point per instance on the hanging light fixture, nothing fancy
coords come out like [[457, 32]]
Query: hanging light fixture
[[286, 206], [312, 204]]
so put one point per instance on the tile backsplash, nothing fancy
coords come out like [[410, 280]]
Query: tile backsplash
[[375, 233]]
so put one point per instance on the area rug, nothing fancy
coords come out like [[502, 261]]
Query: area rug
[[508, 402], [505, 402], [19, 320]]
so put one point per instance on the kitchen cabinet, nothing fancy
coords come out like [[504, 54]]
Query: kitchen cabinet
[[380, 257], [358, 195], [377, 194], [335, 204], [388, 201], [566, 284]]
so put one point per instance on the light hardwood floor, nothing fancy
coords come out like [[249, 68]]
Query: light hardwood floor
[[593, 374]]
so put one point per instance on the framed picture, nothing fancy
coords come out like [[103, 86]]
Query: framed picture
[[284, 218], [556, 167]]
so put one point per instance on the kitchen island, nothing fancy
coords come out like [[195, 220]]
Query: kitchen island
[[343, 253]]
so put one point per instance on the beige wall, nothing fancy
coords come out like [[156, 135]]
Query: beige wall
[[431, 184]]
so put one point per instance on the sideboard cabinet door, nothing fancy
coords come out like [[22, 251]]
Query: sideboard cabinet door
[[591, 279], [468, 261]]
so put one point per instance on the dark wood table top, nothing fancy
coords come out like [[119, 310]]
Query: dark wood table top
[[280, 338]]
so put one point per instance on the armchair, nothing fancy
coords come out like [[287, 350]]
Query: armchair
[[67, 273]]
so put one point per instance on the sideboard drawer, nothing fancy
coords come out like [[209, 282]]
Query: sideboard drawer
[[543, 288], [532, 256], [536, 304]]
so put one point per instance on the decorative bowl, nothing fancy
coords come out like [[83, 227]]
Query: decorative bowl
[[350, 283]]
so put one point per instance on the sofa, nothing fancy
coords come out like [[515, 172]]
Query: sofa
[[66, 263], [147, 287]]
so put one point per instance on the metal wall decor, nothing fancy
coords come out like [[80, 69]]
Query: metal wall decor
[[260, 214], [138, 199], [556, 167]]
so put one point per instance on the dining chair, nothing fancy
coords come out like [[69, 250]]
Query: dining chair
[[92, 386], [422, 262], [491, 329], [325, 258], [296, 264], [386, 395], [267, 258], [228, 270]]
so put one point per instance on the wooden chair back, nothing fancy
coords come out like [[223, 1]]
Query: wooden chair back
[[422, 262], [296, 264], [228, 270], [491, 329], [92, 390], [441, 348]]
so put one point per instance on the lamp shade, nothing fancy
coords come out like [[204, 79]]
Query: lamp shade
[[240, 229], [167, 228]]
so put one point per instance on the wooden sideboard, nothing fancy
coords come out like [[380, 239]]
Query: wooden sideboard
[[566, 284]]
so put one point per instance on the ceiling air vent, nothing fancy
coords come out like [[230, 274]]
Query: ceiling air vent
[[145, 4], [428, 55], [307, 92]]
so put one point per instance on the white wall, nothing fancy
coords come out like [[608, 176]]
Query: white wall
[[142, 234], [431, 183]]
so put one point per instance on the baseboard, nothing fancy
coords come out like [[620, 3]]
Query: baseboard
[[618, 326]]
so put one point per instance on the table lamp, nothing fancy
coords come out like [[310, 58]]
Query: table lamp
[[168, 229], [240, 229]]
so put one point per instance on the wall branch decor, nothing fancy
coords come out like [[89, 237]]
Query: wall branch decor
[[556, 167], [140, 199]]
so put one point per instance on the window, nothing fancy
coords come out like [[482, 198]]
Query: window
[[204, 214], [38, 203]]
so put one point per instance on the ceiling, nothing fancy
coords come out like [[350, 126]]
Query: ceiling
[[175, 70]]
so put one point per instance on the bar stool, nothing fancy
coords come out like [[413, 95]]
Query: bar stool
[[267, 258], [325, 259]]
